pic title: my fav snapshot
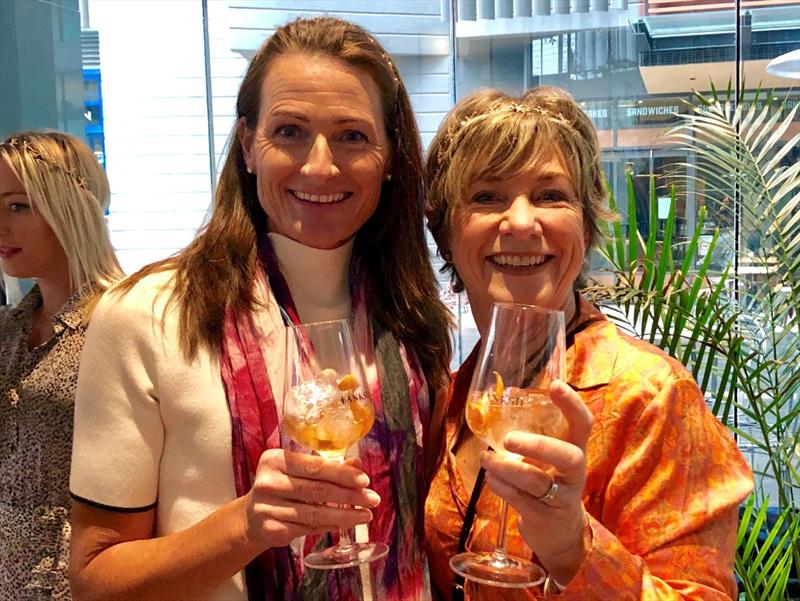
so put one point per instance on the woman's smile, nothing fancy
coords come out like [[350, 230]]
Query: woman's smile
[[518, 262], [329, 198]]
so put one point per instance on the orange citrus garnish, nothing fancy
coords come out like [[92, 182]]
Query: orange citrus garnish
[[361, 413], [498, 386], [347, 383]]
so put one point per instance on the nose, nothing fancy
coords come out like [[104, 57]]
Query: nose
[[319, 162], [521, 219]]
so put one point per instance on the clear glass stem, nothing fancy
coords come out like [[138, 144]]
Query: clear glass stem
[[500, 547], [345, 544]]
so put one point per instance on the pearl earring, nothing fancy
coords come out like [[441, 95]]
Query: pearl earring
[[388, 177]]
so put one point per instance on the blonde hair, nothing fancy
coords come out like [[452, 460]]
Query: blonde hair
[[490, 135], [67, 186]]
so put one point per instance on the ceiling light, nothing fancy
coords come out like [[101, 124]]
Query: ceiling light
[[786, 65]]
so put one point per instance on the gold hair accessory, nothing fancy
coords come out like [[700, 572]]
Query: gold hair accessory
[[24, 146], [386, 58], [499, 106]]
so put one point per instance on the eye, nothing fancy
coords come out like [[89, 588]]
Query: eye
[[353, 135], [484, 197], [17, 207], [553, 196], [288, 131]]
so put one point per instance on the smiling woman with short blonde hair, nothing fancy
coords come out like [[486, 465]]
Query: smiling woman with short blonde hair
[[639, 499]]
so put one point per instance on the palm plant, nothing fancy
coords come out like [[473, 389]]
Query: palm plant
[[738, 335]]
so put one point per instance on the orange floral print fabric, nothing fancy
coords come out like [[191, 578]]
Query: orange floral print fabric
[[665, 479]]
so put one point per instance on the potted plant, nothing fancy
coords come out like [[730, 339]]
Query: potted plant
[[737, 329]]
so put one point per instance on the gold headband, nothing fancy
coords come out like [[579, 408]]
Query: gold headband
[[25, 146], [498, 106]]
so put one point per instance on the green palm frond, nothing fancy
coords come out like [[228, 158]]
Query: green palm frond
[[740, 150], [764, 553], [738, 330], [677, 306], [744, 152]]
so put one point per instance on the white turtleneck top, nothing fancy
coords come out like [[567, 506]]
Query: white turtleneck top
[[319, 279]]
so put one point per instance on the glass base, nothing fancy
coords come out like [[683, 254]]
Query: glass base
[[335, 558], [496, 569]]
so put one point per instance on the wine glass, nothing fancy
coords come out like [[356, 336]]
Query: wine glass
[[522, 352], [327, 408]]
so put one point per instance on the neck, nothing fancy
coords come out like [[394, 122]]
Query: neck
[[482, 311], [55, 291], [318, 279]]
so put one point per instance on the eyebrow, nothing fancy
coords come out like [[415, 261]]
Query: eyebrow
[[550, 176], [13, 193], [305, 119], [546, 177]]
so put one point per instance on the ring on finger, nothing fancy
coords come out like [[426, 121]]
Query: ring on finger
[[551, 492]]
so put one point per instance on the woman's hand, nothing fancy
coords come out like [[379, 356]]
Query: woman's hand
[[294, 495], [555, 527]]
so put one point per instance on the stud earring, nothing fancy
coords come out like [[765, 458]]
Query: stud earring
[[250, 171], [388, 177]]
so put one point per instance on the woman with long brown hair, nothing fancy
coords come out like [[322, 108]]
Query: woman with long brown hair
[[318, 216]]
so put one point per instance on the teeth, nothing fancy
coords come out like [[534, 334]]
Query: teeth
[[321, 198], [517, 260]]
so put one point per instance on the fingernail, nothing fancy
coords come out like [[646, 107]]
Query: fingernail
[[373, 498], [362, 480]]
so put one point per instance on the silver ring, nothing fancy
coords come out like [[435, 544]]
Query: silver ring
[[551, 492]]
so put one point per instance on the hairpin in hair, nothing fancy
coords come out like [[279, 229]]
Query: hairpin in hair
[[25, 146]]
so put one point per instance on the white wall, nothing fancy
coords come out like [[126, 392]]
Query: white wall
[[153, 78]]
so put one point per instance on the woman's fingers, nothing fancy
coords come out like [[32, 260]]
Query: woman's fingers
[[565, 458], [316, 517], [311, 479], [524, 500], [313, 468], [296, 494], [318, 491], [530, 478], [579, 418]]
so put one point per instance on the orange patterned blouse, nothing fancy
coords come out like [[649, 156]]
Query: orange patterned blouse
[[664, 482]]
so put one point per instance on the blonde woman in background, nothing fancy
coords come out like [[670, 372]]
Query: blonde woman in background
[[52, 197]]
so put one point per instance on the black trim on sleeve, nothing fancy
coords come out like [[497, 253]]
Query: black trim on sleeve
[[97, 505]]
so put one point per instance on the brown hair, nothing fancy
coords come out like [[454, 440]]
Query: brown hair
[[218, 268], [491, 135], [67, 186]]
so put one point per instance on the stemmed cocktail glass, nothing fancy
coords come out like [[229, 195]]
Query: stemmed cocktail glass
[[520, 355], [327, 408]]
